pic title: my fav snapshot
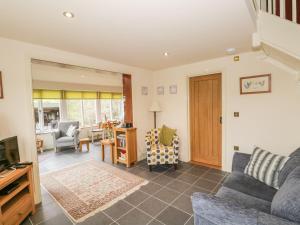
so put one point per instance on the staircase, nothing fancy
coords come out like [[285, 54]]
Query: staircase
[[278, 26]]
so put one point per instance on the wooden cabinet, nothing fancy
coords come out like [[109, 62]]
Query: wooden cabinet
[[17, 205], [125, 146]]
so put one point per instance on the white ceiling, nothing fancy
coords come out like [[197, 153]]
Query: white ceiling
[[133, 32]]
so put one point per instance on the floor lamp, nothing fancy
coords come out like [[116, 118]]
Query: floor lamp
[[155, 108]]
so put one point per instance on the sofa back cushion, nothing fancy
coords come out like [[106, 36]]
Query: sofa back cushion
[[296, 153], [286, 202], [289, 166], [265, 166]]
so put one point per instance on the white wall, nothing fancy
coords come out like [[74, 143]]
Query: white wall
[[16, 111], [268, 120]]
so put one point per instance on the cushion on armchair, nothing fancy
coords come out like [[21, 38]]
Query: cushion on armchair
[[166, 135]]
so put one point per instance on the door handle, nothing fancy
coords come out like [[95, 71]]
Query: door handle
[[221, 120]]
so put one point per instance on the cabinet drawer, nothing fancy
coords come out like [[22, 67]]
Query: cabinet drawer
[[18, 211]]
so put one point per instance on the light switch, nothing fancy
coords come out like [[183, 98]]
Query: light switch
[[236, 114], [236, 148]]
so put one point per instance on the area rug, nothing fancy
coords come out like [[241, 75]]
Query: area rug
[[89, 187]]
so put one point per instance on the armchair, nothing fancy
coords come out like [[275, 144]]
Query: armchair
[[60, 139], [158, 153]]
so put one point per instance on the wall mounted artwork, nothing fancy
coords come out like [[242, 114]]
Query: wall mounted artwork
[[173, 89], [144, 90], [160, 90], [255, 84], [1, 87]]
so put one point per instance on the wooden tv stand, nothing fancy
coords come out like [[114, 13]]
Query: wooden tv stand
[[17, 205]]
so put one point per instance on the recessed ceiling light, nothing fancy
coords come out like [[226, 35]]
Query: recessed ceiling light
[[166, 54], [231, 51], [68, 14]]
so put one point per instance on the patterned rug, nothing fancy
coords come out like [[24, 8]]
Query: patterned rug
[[89, 187]]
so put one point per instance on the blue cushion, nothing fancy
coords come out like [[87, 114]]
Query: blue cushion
[[286, 202]]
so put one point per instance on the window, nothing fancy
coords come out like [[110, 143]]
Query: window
[[117, 109], [89, 112], [83, 111], [74, 110], [105, 106], [46, 113], [51, 106]]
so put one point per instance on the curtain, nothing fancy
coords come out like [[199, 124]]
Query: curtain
[[58, 94]]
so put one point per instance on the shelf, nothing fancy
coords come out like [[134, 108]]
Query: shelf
[[5, 198], [121, 148], [121, 161]]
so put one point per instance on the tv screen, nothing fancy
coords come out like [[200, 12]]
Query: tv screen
[[9, 152]]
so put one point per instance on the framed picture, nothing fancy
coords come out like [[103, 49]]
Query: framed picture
[[160, 90], [144, 90], [255, 84], [173, 89], [1, 87]]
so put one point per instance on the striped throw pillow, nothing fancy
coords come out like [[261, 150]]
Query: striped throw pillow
[[265, 166]]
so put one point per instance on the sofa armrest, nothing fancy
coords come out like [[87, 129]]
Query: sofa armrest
[[240, 161], [267, 219], [76, 136], [220, 211], [175, 143], [148, 142]]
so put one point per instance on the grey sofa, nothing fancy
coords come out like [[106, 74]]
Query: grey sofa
[[245, 200], [61, 140]]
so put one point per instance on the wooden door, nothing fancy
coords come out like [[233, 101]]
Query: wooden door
[[127, 95], [205, 119]]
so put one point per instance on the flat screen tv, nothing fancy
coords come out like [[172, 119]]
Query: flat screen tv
[[9, 152]]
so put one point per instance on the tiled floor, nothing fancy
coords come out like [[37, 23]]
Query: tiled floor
[[164, 200]]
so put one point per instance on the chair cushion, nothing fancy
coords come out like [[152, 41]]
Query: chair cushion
[[265, 166], [71, 131], [286, 202], [248, 185], [244, 199], [65, 139], [166, 135]]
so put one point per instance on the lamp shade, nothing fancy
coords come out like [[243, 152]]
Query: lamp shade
[[155, 107]]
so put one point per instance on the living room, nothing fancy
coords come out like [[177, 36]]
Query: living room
[[162, 54]]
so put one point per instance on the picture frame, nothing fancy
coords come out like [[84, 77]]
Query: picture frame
[[144, 90], [1, 87], [257, 84], [173, 89], [160, 90]]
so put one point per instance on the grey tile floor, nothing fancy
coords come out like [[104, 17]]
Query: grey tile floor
[[165, 200]]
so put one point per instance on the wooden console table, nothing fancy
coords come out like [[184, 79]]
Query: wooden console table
[[17, 205]]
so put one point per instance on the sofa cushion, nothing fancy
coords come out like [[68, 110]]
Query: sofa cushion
[[295, 153], [265, 166], [289, 166], [286, 202], [248, 185], [244, 199], [65, 139]]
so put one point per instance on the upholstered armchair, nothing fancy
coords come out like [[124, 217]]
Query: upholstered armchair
[[60, 138], [158, 153]]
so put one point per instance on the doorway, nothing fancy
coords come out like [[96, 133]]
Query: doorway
[[206, 119]]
